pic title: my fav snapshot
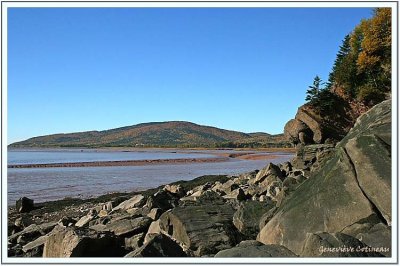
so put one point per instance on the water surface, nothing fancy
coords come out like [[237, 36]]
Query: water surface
[[45, 184]]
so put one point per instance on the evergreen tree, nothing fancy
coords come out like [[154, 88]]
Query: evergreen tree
[[314, 90]]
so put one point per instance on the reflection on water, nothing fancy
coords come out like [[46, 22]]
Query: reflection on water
[[44, 184]]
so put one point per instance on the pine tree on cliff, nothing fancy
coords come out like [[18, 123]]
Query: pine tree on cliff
[[314, 90], [344, 70], [321, 98]]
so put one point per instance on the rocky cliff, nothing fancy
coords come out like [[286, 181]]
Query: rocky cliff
[[328, 201], [313, 126]]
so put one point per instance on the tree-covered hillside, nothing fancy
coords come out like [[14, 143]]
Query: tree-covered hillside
[[159, 134]]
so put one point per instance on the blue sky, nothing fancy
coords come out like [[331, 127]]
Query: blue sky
[[244, 69]]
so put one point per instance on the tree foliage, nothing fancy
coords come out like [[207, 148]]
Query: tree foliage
[[363, 64], [321, 97], [314, 90]]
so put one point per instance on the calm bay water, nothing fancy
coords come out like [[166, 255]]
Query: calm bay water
[[44, 184], [31, 156]]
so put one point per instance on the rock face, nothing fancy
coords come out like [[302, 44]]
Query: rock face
[[342, 193], [311, 157], [247, 217], [253, 249], [66, 242], [311, 127], [204, 227], [297, 132]]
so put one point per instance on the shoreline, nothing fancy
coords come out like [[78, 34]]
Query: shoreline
[[219, 158], [122, 163], [135, 149]]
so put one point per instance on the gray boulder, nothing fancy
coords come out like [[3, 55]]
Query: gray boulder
[[270, 169], [67, 242], [246, 219], [203, 227], [163, 200], [296, 132], [252, 248], [333, 198]]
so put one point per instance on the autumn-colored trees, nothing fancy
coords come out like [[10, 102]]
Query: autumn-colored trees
[[362, 68]]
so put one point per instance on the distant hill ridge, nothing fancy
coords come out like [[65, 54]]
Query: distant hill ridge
[[158, 134]]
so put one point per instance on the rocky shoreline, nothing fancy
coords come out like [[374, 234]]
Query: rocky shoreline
[[329, 201]]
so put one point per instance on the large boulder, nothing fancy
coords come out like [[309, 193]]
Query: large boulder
[[252, 248], [269, 170], [24, 204], [67, 242], [204, 227], [351, 186], [313, 121], [311, 126], [163, 200], [296, 132], [247, 218]]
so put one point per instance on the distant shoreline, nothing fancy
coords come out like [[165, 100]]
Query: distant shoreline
[[122, 163], [122, 149], [220, 157]]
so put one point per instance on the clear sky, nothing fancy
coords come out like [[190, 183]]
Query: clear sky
[[244, 69]]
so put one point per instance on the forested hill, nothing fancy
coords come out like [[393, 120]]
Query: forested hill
[[158, 134]]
